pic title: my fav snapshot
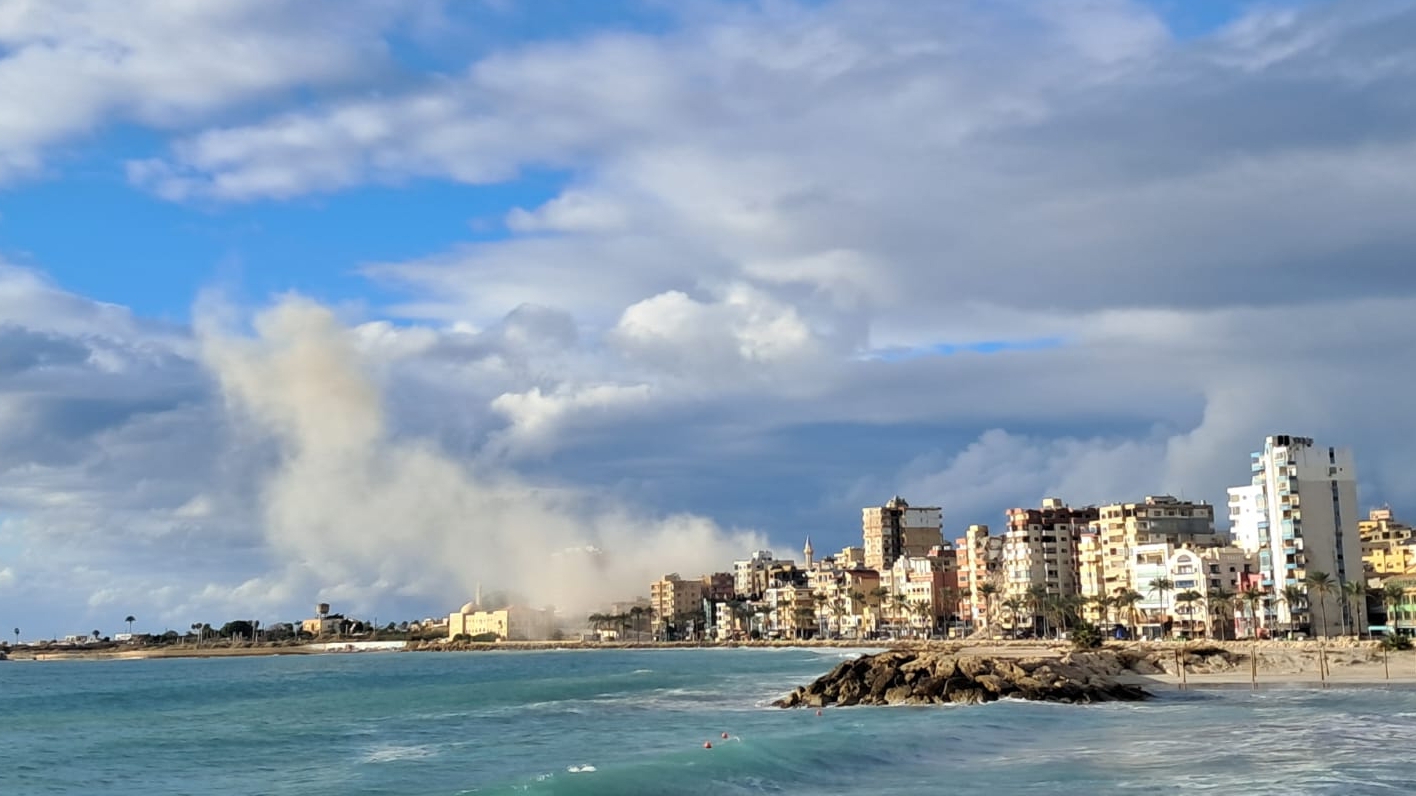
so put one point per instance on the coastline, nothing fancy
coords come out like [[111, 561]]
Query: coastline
[[1208, 664]]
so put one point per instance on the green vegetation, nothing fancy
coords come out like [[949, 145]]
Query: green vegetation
[[1086, 636], [1396, 643]]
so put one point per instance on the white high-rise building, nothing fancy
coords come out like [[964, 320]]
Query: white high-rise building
[[1300, 515]]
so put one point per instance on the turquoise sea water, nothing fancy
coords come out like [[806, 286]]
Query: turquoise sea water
[[634, 722]]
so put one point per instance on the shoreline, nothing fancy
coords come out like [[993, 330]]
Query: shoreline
[[1208, 664]]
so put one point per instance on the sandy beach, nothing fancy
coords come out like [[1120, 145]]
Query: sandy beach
[[1207, 663]]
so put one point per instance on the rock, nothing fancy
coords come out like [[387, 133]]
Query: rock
[[905, 677]]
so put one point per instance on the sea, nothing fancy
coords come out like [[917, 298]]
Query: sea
[[640, 721]]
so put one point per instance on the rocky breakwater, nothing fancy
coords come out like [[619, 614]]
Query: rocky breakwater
[[904, 677]]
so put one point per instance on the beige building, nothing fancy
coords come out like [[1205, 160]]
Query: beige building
[[1159, 519], [321, 626], [1040, 548], [1090, 580], [897, 529], [1188, 569], [980, 562], [753, 576], [674, 598], [512, 623], [1388, 546]]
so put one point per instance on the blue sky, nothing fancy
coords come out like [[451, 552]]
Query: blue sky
[[316, 244], [675, 280]]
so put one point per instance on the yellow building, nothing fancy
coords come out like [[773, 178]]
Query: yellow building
[[321, 626], [512, 623], [1121, 528], [1388, 546], [676, 601]]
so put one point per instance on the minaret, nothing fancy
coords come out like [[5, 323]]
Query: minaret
[[807, 552], [479, 595]]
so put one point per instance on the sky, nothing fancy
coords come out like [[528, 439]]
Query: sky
[[374, 302]]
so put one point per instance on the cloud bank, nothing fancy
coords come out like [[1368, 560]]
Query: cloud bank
[[365, 513]]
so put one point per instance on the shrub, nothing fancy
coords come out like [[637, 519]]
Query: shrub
[[1395, 642], [461, 637], [1086, 636], [485, 637]]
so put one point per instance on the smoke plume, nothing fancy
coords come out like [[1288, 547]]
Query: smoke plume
[[367, 513]]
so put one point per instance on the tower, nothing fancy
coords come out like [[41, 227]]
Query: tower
[[807, 552], [1299, 513]]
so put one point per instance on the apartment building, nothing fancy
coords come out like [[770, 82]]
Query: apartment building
[[1299, 513], [1040, 548], [898, 529], [676, 602], [980, 562], [1121, 528], [1388, 546]]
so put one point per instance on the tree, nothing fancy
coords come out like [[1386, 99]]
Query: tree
[[1014, 606], [1356, 591], [880, 593], [1322, 584], [1297, 601], [819, 600], [1392, 596], [1037, 601], [987, 591], [1127, 601], [17, 637], [1219, 604], [1103, 605], [1161, 586], [239, 628], [1188, 598], [130, 619], [805, 617], [1253, 597]]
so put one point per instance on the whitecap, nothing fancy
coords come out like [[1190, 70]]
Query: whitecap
[[585, 769], [388, 754]]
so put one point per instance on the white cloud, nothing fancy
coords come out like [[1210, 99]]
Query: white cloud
[[70, 68]]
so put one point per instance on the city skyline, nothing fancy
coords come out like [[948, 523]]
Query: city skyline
[[424, 293]]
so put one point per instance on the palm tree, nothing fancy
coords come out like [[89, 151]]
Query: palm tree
[[805, 616], [1188, 598], [1356, 592], [819, 600], [857, 599], [1127, 601], [987, 591], [1015, 606], [1392, 596], [880, 593], [1321, 584], [1037, 600], [1219, 601], [130, 619], [1253, 596], [1161, 586], [925, 613], [17, 637], [838, 609], [898, 605], [1297, 601]]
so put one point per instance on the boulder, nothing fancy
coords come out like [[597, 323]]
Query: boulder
[[904, 677]]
